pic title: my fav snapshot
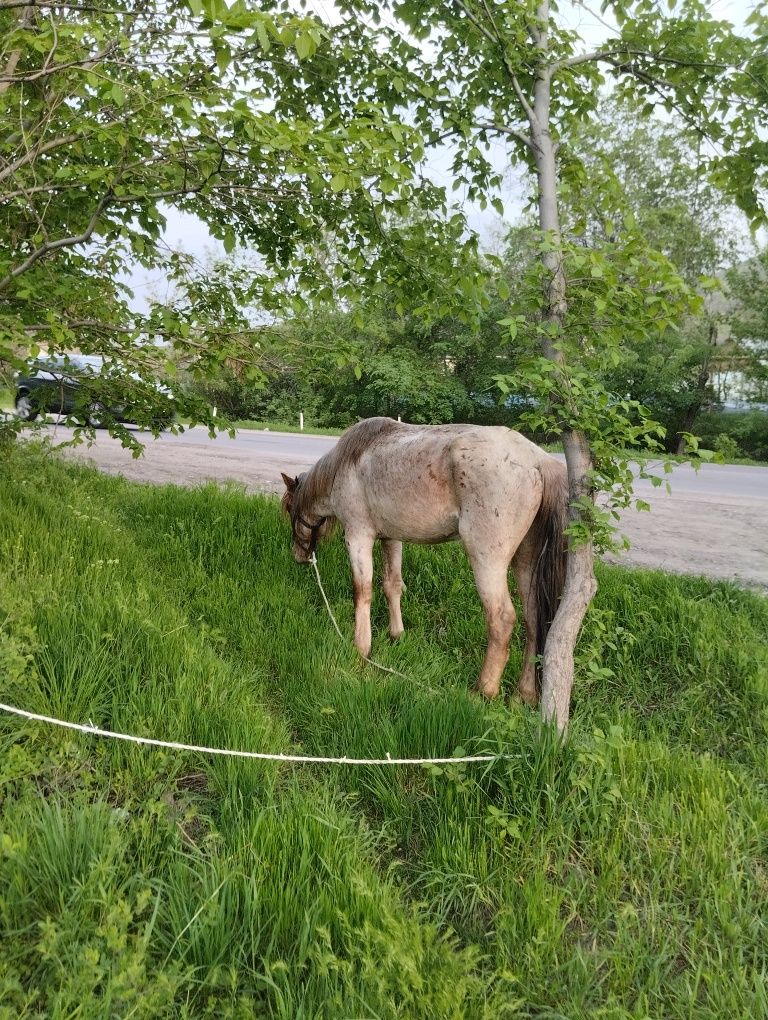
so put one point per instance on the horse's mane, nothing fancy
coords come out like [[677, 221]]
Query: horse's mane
[[353, 443]]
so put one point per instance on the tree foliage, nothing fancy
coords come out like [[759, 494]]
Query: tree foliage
[[643, 176], [114, 115], [748, 290]]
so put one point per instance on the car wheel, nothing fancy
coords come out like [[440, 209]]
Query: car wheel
[[95, 416], [25, 408]]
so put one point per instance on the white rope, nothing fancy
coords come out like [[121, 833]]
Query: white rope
[[313, 561], [372, 662], [300, 759]]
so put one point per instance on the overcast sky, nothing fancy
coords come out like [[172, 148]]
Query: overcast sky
[[189, 234]]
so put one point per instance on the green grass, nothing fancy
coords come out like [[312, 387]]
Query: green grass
[[623, 875], [283, 426]]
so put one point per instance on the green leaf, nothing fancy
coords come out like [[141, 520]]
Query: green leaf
[[305, 45], [264, 41], [223, 57]]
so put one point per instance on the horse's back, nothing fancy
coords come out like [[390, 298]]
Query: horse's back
[[417, 482]]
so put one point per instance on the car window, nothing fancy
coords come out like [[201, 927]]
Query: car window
[[90, 364]]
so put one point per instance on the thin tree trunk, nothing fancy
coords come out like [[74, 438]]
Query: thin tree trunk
[[580, 583]]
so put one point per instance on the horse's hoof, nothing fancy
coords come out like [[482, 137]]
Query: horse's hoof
[[488, 693]]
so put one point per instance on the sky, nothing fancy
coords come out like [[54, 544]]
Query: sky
[[189, 234]]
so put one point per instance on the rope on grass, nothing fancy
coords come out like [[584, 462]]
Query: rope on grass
[[299, 759], [371, 662]]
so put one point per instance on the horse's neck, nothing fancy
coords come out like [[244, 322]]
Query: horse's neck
[[318, 485]]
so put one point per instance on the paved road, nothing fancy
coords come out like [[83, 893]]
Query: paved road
[[731, 481], [728, 480], [296, 446], [715, 522]]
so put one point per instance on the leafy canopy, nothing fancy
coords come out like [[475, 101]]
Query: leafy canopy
[[240, 116]]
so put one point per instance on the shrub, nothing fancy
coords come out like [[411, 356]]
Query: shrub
[[747, 429], [727, 445]]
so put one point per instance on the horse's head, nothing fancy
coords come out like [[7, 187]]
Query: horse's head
[[307, 528]]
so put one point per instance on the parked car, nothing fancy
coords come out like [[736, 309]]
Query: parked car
[[69, 385]]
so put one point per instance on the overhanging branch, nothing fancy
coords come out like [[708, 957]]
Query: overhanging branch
[[62, 242]]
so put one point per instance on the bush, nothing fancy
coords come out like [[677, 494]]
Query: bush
[[748, 430], [727, 446], [279, 398]]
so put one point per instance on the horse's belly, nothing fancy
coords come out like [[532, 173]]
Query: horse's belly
[[412, 522], [420, 535]]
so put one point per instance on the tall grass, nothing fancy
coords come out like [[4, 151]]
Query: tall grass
[[622, 875]]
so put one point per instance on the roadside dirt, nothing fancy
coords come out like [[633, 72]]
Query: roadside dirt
[[721, 537], [688, 534]]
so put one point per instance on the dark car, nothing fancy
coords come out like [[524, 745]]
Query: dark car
[[84, 387]]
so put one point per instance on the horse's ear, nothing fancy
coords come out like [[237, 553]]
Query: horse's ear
[[290, 483]]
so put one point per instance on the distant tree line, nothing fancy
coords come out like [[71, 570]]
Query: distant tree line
[[370, 357]]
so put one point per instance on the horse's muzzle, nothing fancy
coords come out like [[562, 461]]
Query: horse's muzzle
[[300, 555]]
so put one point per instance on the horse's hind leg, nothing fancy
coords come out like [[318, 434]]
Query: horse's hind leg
[[392, 583], [491, 581], [524, 568], [491, 542]]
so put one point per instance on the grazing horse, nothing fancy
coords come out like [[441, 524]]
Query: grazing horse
[[502, 496]]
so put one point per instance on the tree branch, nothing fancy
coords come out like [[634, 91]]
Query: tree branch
[[521, 136], [495, 39], [38, 150], [476, 22], [62, 242], [609, 56], [13, 59], [527, 108], [585, 58], [86, 64]]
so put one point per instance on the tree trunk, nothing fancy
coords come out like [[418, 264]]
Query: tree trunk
[[580, 583]]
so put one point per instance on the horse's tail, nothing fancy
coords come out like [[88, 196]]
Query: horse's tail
[[551, 551]]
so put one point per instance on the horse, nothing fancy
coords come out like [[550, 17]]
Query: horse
[[491, 488]]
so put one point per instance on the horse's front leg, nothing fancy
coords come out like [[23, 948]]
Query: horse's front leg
[[392, 583], [360, 548]]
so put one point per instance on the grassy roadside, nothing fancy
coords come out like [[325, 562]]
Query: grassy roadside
[[621, 876], [282, 426]]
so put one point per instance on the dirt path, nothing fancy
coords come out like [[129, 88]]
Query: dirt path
[[725, 538], [721, 534]]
